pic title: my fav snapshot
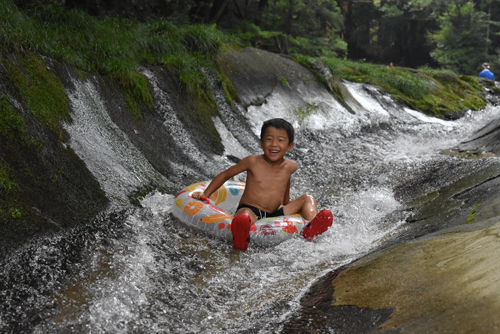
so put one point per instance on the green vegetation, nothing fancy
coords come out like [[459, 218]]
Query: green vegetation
[[116, 47], [40, 88], [11, 122], [452, 34], [111, 46], [321, 42], [229, 91], [303, 113], [472, 214], [435, 92], [477, 154], [460, 38], [8, 188], [204, 108], [6, 184]]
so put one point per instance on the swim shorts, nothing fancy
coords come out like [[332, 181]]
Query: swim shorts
[[262, 214]]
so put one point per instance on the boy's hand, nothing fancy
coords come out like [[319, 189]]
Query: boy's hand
[[200, 196], [197, 195]]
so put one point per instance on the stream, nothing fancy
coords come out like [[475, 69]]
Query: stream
[[141, 270]]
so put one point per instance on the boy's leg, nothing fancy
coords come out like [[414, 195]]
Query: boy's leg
[[318, 225], [305, 205], [240, 228]]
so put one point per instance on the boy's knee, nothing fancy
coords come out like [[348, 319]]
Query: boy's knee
[[252, 215], [309, 199]]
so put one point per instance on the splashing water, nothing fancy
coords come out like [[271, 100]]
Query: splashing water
[[142, 270]]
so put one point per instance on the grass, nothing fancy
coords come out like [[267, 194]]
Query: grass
[[113, 46], [117, 47]]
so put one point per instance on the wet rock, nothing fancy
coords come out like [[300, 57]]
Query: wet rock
[[441, 276], [274, 73], [487, 139], [447, 283]]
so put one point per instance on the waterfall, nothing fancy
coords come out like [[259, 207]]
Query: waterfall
[[111, 157]]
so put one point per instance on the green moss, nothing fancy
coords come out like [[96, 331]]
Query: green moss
[[472, 214], [283, 81], [40, 89], [434, 92], [81, 74], [473, 81], [133, 105], [302, 114], [477, 154], [12, 123], [229, 91], [137, 90], [204, 108], [9, 208], [138, 195], [453, 95], [6, 183], [333, 89]]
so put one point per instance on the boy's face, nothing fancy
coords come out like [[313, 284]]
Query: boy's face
[[275, 143]]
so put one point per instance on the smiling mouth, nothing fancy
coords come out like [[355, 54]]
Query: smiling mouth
[[274, 152]]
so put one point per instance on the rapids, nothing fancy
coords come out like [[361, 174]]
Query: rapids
[[140, 270]]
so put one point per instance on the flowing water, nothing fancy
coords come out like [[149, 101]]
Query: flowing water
[[140, 270]]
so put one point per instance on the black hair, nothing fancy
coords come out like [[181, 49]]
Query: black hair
[[280, 124]]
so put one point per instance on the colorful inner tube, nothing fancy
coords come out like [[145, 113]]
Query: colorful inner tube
[[215, 218]]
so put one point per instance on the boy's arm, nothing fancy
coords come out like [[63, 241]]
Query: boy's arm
[[286, 197], [219, 180]]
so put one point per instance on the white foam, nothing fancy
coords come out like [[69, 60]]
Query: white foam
[[108, 153], [231, 145], [428, 119]]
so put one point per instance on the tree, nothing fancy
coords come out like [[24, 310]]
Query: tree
[[461, 38], [390, 30], [287, 26], [402, 31]]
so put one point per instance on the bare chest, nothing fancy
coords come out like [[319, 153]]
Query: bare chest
[[276, 178]]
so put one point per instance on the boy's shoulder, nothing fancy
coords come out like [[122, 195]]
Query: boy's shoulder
[[292, 163], [252, 157]]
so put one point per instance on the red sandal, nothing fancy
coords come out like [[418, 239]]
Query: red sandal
[[318, 225], [240, 229]]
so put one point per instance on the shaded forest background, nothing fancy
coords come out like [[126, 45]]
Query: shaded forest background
[[457, 35]]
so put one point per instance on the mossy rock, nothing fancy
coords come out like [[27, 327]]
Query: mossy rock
[[12, 124], [40, 89], [445, 77], [46, 187]]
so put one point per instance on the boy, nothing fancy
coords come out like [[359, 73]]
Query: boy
[[268, 186]]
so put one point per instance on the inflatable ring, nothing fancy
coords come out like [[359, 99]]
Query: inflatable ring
[[216, 214]]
